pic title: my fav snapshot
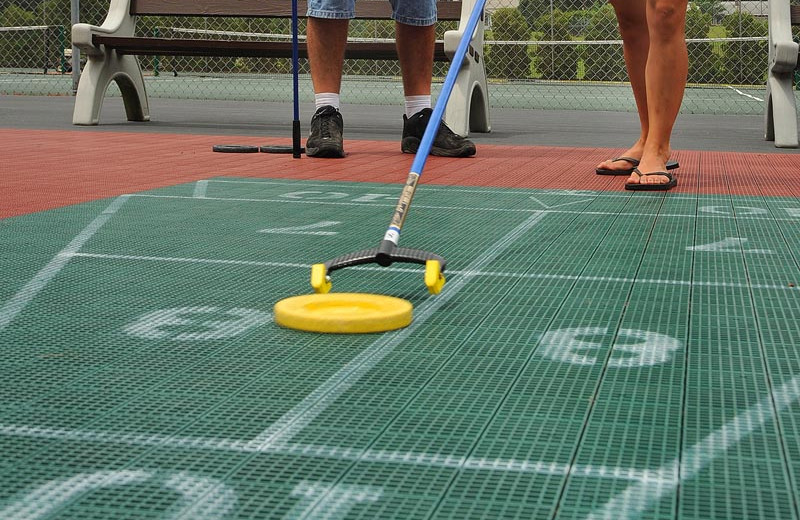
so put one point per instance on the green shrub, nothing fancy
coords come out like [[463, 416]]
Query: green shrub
[[704, 64], [745, 62], [508, 60], [604, 62], [555, 61]]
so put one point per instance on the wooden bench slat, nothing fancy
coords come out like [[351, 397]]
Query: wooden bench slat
[[365, 9], [794, 12], [251, 49]]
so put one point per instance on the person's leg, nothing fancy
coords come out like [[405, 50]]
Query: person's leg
[[326, 39], [666, 74], [415, 51], [632, 19]]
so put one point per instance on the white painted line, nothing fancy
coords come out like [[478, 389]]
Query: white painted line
[[745, 94], [294, 420], [328, 202], [27, 80], [200, 443], [305, 230], [17, 303], [310, 184], [200, 189], [464, 272], [545, 206], [334, 452], [364, 186], [639, 497], [192, 260], [730, 245], [212, 497], [51, 496], [509, 465]]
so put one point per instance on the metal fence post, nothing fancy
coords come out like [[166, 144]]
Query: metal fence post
[[75, 6]]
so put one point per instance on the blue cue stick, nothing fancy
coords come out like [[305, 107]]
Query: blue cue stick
[[392, 236]]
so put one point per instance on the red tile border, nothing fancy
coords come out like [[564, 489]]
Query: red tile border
[[44, 169]]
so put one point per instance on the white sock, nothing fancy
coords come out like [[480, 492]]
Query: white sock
[[326, 98], [416, 103]]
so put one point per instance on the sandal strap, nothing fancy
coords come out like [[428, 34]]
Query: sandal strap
[[668, 175], [634, 162]]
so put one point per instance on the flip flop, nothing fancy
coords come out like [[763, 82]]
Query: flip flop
[[671, 165], [652, 187]]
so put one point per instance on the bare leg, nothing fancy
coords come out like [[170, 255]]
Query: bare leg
[[632, 18], [666, 74], [415, 50], [326, 43]]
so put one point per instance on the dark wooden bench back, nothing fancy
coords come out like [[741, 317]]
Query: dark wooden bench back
[[794, 11], [365, 9]]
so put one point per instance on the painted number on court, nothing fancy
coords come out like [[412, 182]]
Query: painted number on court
[[329, 501], [197, 323], [588, 346], [338, 195], [197, 496], [730, 245], [739, 210], [747, 211]]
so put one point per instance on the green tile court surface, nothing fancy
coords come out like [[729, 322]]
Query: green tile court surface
[[593, 355]]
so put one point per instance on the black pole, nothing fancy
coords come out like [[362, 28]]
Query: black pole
[[295, 58], [76, 52]]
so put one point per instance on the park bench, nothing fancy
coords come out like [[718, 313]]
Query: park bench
[[781, 106], [112, 47]]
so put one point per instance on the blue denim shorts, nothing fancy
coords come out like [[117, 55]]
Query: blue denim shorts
[[409, 12]]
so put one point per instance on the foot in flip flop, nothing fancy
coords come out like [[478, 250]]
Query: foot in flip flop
[[671, 165], [652, 186]]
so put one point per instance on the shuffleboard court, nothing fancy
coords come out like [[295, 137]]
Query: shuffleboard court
[[594, 354]]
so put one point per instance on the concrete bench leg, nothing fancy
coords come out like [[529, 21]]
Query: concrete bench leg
[[780, 122], [468, 107], [781, 118], [98, 74]]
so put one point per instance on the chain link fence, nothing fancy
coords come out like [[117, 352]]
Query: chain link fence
[[547, 54]]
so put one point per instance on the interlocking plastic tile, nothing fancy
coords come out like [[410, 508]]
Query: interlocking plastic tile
[[592, 355]]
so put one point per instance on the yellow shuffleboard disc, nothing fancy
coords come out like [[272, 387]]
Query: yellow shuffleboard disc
[[345, 313]]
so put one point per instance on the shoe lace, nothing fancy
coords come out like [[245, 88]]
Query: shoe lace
[[442, 132], [445, 131], [445, 134], [324, 126]]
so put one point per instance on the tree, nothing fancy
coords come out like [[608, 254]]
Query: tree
[[604, 62], [20, 49], [556, 61], [745, 62], [703, 63], [713, 8], [504, 60], [532, 10]]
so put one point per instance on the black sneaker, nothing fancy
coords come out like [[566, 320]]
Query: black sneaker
[[325, 139], [446, 143]]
